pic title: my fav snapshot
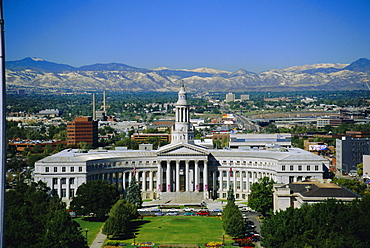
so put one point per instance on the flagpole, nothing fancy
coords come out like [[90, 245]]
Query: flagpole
[[2, 128]]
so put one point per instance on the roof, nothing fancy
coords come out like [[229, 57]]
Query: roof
[[315, 188], [287, 155]]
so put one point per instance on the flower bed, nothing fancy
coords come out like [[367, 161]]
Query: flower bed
[[214, 244], [144, 244]]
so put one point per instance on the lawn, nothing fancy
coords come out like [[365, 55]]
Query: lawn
[[94, 228], [177, 230]]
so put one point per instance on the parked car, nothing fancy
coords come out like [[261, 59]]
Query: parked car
[[189, 214], [156, 210], [159, 213], [173, 210], [217, 210], [203, 213], [172, 213], [188, 209]]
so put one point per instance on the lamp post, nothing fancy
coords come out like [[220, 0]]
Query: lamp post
[[86, 230], [134, 239]]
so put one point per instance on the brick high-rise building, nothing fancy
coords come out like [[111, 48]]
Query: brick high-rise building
[[82, 129]]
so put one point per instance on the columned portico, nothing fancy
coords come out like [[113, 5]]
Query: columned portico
[[182, 175]]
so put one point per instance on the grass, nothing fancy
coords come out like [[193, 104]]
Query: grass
[[177, 230], [94, 228]]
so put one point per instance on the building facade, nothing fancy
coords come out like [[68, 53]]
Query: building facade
[[181, 170], [350, 151], [82, 129]]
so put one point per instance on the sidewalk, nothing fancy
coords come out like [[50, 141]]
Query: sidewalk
[[99, 240]]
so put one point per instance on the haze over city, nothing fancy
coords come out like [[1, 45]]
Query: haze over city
[[225, 35]]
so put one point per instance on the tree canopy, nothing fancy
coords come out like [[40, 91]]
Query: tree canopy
[[36, 219], [232, 220], [328, 224], [119, 218], [261, 195], [95, 197]]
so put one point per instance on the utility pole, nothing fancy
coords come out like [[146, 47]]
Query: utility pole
[[2, 128]]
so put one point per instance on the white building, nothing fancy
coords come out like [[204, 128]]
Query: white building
[[180, 171], [309, 192]]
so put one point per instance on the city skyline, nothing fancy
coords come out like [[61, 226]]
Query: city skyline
[[226, 35]]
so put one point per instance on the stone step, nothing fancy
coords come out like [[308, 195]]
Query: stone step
[[181, 197]]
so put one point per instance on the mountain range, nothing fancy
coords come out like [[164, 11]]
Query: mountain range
[[37, 74]]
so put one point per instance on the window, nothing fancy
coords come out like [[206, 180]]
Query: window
[[55, 169], [291, 167], [316, 167], [63, 180], [72, 180], [63, 169], [299, 167], [72, 169], [308, 168], [72, 193], [46, 169], [80, 169], [64, 193], [283, 168], [55, 180]]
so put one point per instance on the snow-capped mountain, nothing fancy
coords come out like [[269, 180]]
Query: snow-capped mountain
[[37, 73]]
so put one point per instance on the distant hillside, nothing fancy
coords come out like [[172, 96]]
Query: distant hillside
[[37, 74]]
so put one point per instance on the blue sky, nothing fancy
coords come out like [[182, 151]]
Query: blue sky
[[256, 35]]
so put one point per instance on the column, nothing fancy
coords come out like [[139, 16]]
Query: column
[[168, 176], [196, 173], [221, 180], [234, 177], [129, 178], [143, 186], [68, 188], [228, 180], [177, 176], [59, 186], [214, 179], [205, 176], [123, 180], [241, 180], [187, 175], [159, 176], [247, 180], [150, 181]]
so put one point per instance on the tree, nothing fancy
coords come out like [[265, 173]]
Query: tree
[[356, 186], [33, 215], [134, 193], [230, 195], [95, 197], [119, 218], [261, 195], [61, 231], [232, 220], [328, 224]]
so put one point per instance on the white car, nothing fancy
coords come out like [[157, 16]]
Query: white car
[[172, 210], [188, 209]]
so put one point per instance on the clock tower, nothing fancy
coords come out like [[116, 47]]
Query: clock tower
[[181, 131]]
